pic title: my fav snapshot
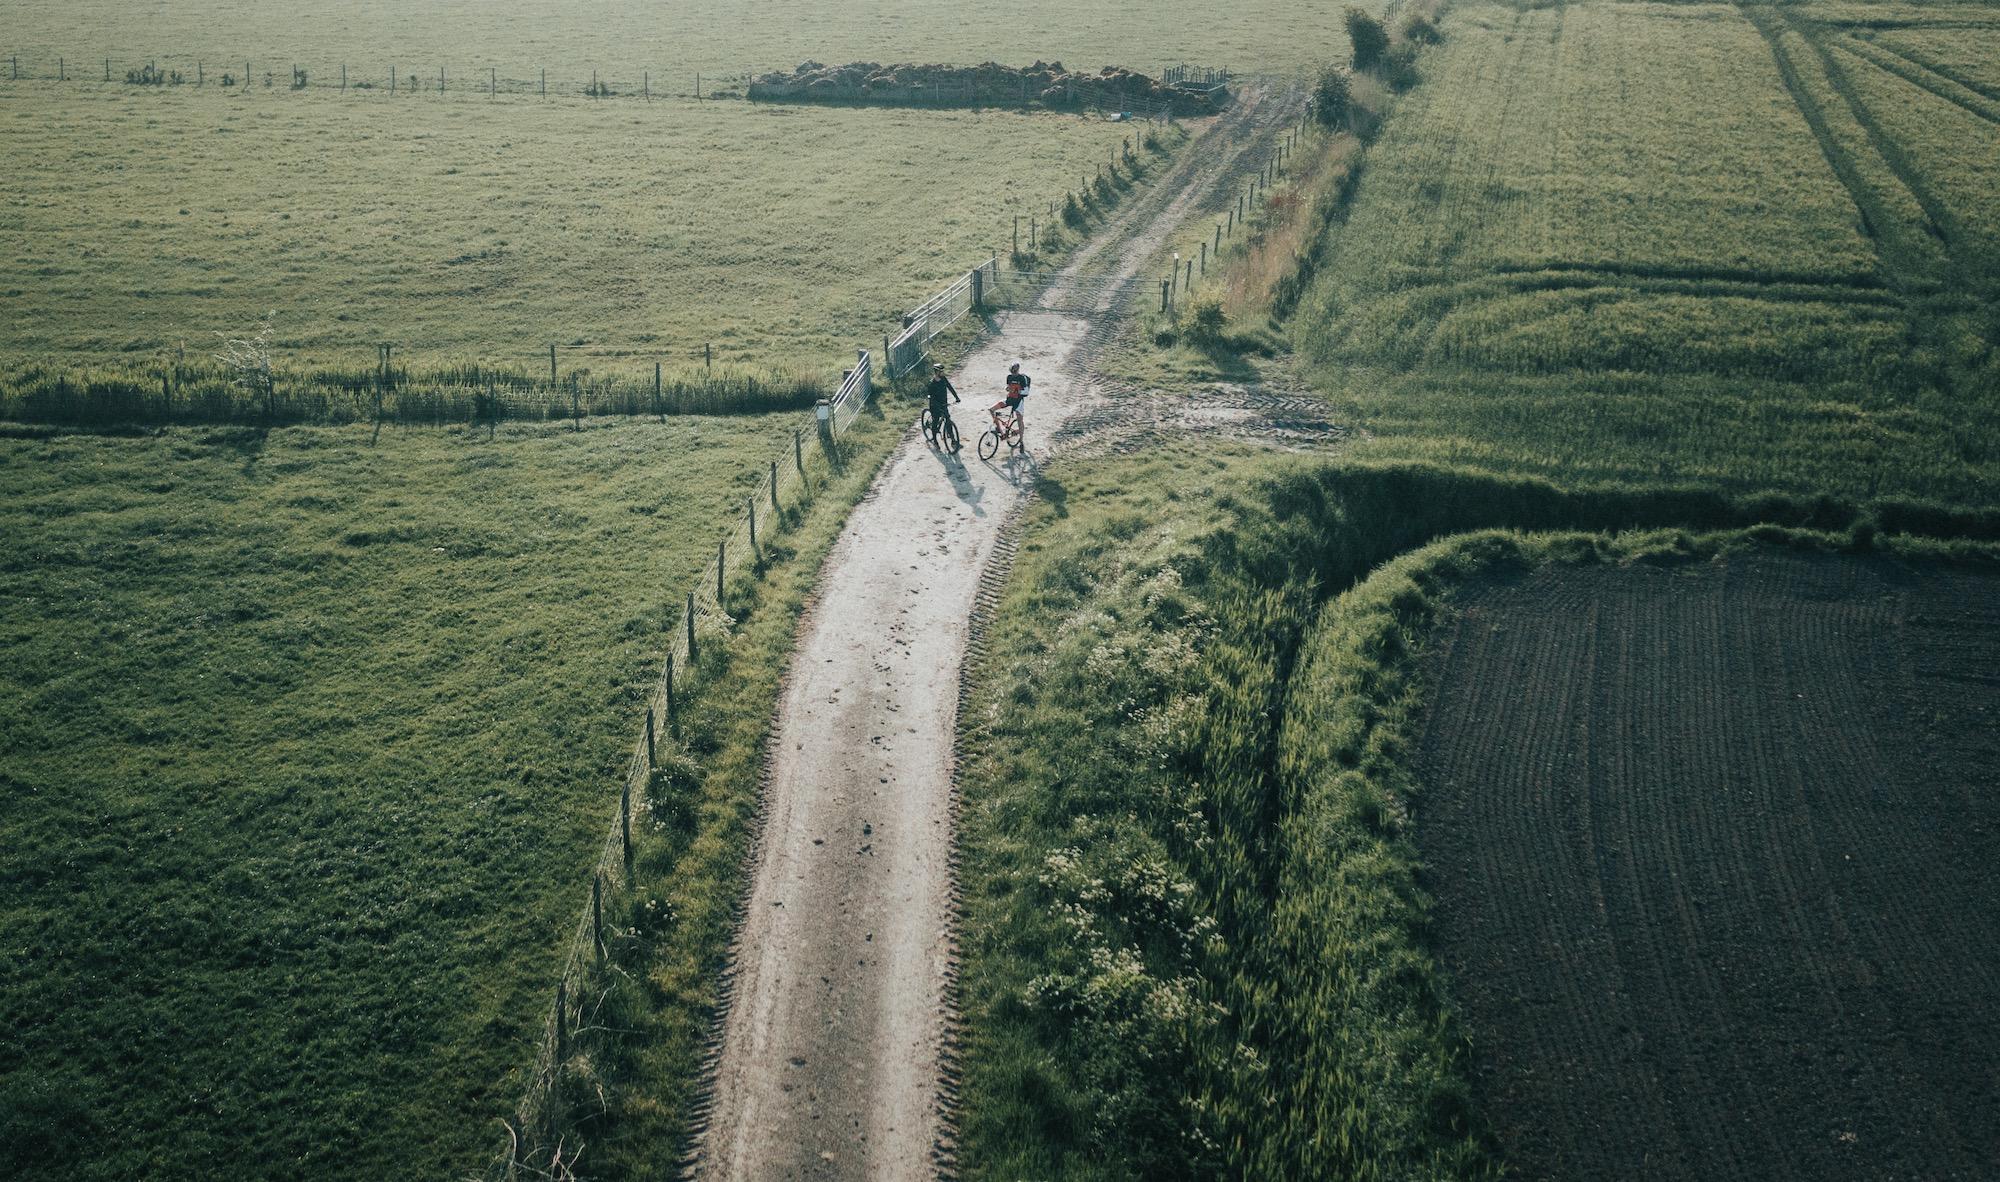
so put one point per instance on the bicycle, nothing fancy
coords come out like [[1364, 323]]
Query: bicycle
[[946, 430], [1006, 427]]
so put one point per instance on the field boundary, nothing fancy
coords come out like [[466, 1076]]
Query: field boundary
[[705, 614]]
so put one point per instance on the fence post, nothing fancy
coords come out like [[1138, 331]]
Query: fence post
[[774, 486], [1163, 295], [978, 287], [597, 912], [648, 84], [562, 1024], [659, 407], [707, 356], [1218, 238], [649, 740], [799, 450], [670, 692], [246, 71], [1204, 257], [721, 556], [625, 822], [690, 624], [751, 505], [492, 81], [545, 83], [552, 363], [1017, 233], [392, 79]]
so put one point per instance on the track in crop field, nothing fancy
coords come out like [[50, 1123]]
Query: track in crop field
[[1714, 853]]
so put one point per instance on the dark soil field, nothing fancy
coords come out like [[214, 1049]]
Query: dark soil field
[[1716, 852]]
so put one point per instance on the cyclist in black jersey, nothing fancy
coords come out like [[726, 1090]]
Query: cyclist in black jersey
[[939, 388]]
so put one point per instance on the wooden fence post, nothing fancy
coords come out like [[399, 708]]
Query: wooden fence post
[[721, 554], [751, 505], [552, 363], [648, 84], [690, 624], [774, 486], [562, 1024], [625, 823], [492, 81], [1218, 238], [670, 692], [1204, 256], [597, 912], [799, 449], [545, 83], [707, 356], [1163, 295], [649, 740]]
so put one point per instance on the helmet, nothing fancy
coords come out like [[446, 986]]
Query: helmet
[[937, 367]]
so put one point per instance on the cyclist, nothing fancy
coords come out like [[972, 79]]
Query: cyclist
[[1017, 389], [939, 387]]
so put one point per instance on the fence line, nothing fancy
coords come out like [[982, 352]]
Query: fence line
[[706, 619], [242, 75]]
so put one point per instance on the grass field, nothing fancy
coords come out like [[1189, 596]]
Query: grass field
[[1755, 258], [135, 222], [622, 37], [308, 748]]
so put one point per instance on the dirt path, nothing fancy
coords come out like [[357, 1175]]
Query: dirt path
[[829, 1064]]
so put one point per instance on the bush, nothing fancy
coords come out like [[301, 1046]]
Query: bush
[[1420, 29], [1206, 320], [1333, 97], [1369, 38], [1072, 211], [1399, 68]]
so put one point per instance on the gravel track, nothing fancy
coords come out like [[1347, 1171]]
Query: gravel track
[[833, 1052]]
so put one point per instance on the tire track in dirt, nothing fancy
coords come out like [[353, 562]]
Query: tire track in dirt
[[833, 1057], [1713, 851]]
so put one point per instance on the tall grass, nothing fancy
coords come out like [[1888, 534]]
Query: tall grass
[[170, 392]]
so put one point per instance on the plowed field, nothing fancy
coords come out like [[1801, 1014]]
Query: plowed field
[[1717, 858]]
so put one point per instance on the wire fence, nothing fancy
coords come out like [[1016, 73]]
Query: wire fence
[[248, 76], [534, 1133]]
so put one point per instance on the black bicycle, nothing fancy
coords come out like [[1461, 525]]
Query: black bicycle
[[941, 433]]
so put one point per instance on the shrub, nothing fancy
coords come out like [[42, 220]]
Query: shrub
[[1369, 38], [1399, 68], [1206, 320], [1332, 97], [1072, 211], [1420, 29]]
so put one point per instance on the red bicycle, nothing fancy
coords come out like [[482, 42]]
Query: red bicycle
[[1006, 428]]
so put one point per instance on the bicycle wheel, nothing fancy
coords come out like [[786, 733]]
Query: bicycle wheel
[[988, 444], [929, 426], [950, 436]]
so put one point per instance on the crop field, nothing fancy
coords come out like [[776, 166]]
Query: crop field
[[308, 745], [1605, 240], [622, 37], [1713, 850], [135, 223]]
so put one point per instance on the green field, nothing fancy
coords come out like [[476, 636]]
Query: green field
[[622, 37], [308, 749], [134, 224], [1694, 243]]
